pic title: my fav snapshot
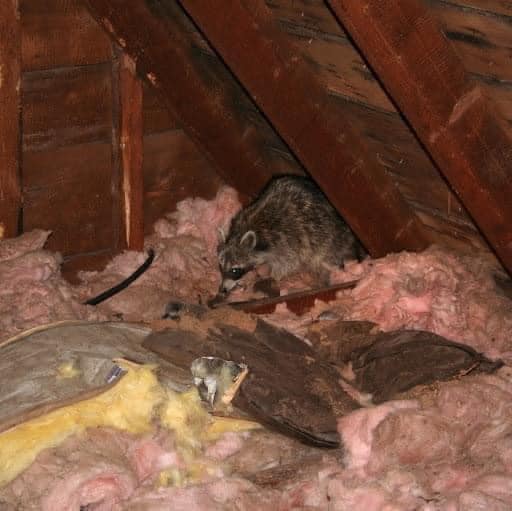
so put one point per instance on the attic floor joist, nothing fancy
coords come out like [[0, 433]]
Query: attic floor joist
[[286, 88], [450, 114], [10, 57], [161, 47]]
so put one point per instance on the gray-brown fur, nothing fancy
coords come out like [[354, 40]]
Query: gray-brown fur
[[291, 226]]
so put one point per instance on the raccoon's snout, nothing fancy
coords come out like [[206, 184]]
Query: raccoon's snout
[[230, 279], [227, 285]]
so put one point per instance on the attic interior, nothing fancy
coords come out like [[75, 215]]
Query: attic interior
[[132, 127]]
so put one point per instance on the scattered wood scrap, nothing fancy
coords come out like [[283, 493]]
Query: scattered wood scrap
[[384, 364], [301, 390]]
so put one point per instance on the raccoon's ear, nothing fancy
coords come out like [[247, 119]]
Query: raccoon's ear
[[222, 234], [249, 240]]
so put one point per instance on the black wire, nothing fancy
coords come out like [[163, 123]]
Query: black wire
[[125, 283]]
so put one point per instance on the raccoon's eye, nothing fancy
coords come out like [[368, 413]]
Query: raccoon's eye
[[236, 273]]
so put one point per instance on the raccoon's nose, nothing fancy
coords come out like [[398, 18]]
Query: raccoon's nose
[[226, 286]]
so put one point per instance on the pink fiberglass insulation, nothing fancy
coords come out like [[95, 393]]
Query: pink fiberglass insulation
[[33, 291], [449, 449], [456, 447], [452, 295], [185, 267], [439, 291]]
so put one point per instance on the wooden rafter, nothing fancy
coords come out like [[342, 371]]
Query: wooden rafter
[[452, 117], [10, 61], [287, 89], [162, 49]]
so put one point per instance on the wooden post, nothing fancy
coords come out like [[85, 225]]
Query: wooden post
[[457, 124], [10, 79], [131, 150]]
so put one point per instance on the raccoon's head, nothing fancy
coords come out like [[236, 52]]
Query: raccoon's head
[[237, 256]]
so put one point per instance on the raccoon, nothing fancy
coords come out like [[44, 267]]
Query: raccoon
[[290, 226]]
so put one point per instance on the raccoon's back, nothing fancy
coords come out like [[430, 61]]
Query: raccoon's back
[[293, 215]]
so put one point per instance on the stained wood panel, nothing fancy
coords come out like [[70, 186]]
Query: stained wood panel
[[67, 126], [75, 203], [174, 169], [481, 33], [156, 117], [315, 31], [66, 106], [58, 33], [10, 193], [487, 7], [483, 41]]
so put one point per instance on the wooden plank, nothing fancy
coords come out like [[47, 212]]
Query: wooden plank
[[313, 28], [287, 89], [298, 302], [156, 118], [174, 169], [66, 106], [287, 386], [68, 191], [162, 48], [491, 8], [451, 116], [58, 33], [10, 56], [131, 144], [483, 42]]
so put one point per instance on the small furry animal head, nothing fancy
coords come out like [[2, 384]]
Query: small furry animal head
[[237, 256]]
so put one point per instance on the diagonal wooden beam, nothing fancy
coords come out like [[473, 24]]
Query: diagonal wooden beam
[[287, 89], [452, 117], [161, 47], [10, 77]]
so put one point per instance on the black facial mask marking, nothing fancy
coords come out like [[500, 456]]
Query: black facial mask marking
[[236, 273]]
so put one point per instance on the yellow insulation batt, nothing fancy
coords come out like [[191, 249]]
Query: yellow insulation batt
[[130, 405]]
